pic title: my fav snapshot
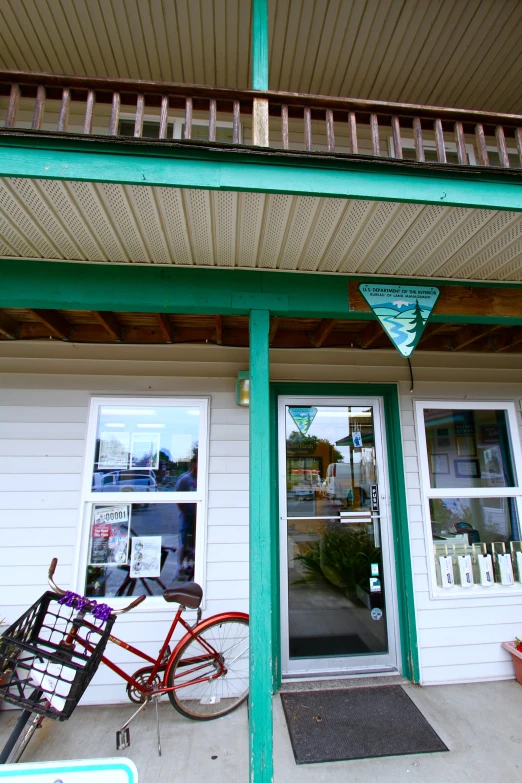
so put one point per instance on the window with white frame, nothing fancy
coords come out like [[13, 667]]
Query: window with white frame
[[144, 495], [471, 468], [176, 129], [430, 152]]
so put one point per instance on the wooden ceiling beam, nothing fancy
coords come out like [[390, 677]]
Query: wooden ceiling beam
[[470, 334], [457, 300], [323, 331], [219, 330], [54, 322], [430, 331], [510, 339], [370, 334], [8, 326], [165, 326], [110, 323]]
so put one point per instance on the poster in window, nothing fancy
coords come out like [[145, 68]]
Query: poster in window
[[145, 557], [110, 536], [114, 450], [145, 450]]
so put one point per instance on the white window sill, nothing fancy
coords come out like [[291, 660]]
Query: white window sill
[[477, 591]]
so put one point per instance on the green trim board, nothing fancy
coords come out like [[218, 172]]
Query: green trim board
[[404, 573], [261, 553], [49, 157], [260, 44], [68, 285]]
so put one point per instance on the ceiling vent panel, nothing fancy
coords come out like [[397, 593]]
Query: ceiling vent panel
[[121, 215], [170, 205], [305, 210]]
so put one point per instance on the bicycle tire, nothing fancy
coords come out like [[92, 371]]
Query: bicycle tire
[[214, 697], [20, 737]]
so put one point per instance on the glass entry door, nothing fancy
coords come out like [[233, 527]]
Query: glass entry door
[[337, 581]]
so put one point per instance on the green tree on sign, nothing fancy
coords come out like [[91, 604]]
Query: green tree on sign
[[418, 321]]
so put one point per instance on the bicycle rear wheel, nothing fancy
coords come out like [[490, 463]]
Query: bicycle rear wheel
[[212, 669]]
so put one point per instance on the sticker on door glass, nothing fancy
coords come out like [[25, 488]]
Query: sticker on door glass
[[374, 569], [357, 440], [303, 418], [376, 613], [375, 585]]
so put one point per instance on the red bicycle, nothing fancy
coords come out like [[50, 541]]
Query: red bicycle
[[50, 654]]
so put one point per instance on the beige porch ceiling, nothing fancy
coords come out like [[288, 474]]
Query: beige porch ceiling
[[465, 53], [106, 223]]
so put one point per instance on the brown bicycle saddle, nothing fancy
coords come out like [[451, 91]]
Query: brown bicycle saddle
[[189, 595]]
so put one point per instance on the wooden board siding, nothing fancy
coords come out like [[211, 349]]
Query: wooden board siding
[[459, 640], [45, 385], [42, 430]]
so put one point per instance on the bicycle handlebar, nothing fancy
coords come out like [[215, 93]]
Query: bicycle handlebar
[[54, 586]]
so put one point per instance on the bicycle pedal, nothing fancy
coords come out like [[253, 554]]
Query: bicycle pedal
[[122, 739]]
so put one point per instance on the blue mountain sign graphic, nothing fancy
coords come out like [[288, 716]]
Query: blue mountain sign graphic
[[402, 311], [303, 418]]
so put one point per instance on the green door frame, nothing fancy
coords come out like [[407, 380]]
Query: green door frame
[[397, 482]]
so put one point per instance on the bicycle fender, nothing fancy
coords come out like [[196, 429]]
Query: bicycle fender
[[201, 627]]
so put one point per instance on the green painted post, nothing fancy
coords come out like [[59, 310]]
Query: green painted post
[[260, 699], [260, 44]]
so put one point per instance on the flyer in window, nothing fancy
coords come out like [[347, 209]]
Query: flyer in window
[[114, 450], [145, 557], [145, 450], [110, 536]]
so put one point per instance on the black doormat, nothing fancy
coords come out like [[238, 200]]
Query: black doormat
[[315, 646], [356, 723]]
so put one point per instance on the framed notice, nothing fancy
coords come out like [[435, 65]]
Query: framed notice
[[145, 450], [114, 450], [145, 557], [110, 535], [440, 464], [467, 468]]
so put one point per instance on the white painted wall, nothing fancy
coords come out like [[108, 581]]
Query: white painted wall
[[44, 393], [459, 640], [43, 420]]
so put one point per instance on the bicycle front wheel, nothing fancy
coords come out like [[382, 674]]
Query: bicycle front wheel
[[211, 670]]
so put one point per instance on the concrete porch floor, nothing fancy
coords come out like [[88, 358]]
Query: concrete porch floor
[[480, 724]]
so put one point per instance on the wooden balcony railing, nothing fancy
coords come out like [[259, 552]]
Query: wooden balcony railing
[[283, 121]]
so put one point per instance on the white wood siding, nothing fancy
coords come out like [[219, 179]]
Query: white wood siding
[[43, 421], [44, 389], [459, 640]]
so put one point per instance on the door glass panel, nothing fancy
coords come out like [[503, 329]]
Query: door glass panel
[[336, 589]]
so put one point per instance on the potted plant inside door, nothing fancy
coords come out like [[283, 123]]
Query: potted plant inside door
[[515, 649]]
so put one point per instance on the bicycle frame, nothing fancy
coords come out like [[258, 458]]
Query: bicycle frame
[[159, 664]]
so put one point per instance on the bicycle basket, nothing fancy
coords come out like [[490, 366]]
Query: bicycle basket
[[36, 671]]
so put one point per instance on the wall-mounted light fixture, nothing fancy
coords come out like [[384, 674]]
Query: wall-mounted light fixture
[[243, 388]]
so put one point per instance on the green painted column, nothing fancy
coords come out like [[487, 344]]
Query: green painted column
[[260, 700], [260, 44]]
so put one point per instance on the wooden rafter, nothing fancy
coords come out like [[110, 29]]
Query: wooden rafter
[[323, 331], [110, 323], [165, 326], [371, 333], [430, 331], [8, 326], [508, 340], [54, 322], [219, 330], [470, 334]]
